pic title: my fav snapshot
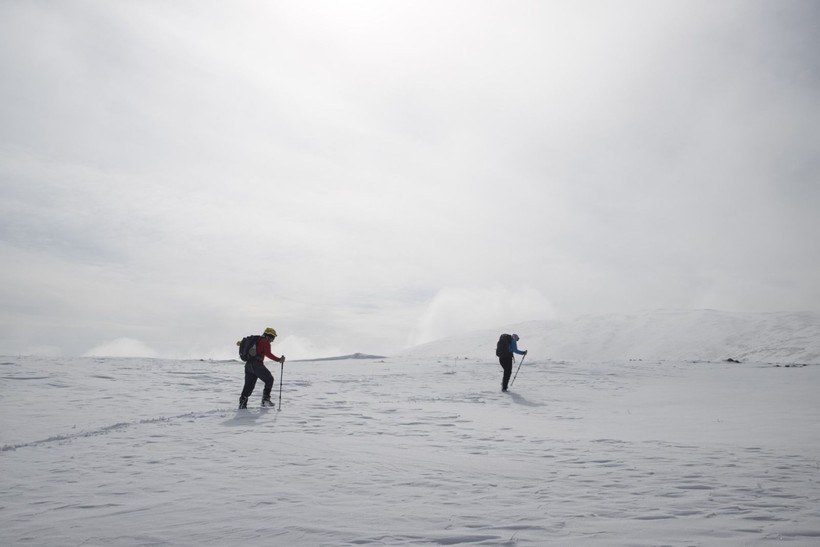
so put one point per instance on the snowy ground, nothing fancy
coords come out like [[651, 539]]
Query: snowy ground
[[409, 451]]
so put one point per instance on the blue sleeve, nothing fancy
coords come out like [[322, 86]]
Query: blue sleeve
[[514, 347]]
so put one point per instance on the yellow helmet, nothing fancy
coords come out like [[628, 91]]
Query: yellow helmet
[[270, 332]]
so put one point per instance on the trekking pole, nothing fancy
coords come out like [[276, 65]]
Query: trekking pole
[[281, 372], [519, 368]]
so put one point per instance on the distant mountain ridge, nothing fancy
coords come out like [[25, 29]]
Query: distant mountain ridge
[[342, 357], [697, 335]]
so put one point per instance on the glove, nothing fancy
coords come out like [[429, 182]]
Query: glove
[[282, 359], [525, 352]]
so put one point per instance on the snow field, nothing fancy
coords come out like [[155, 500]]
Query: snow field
[[409, 451]]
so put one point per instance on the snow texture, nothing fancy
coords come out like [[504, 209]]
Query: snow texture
[[422, 448]]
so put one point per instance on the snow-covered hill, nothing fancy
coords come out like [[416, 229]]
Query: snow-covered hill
[[694, 335]]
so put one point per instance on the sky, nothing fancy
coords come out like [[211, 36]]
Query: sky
[[366, 176]]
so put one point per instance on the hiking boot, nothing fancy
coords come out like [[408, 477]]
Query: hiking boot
[[267, 402], [243, 402]]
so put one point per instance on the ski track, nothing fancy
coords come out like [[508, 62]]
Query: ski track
[[388, 454]]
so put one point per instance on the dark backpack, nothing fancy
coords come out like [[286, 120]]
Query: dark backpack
[[247, 347], [503, 347]]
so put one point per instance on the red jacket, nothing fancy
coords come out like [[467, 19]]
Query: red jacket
[[263, 350]]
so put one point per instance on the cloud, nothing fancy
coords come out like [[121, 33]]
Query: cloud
[[458, 310], [122, 347], [358, 176], [300, 347]]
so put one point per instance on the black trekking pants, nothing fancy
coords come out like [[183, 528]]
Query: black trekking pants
[[256, 369], [506, 362]]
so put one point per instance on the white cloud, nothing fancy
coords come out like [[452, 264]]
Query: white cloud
[[334, 170], [458, 310], [300, 347], [122, 347]]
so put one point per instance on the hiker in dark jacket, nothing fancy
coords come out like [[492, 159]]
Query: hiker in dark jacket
[[255, 369], [505, 358]]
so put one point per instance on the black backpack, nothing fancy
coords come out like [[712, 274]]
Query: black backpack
[[503, 347], [247, 347]]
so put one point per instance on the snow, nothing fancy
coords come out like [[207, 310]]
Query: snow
[[708, 335], [422, 448]]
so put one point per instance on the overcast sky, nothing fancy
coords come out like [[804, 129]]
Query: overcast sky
[[368, 175]]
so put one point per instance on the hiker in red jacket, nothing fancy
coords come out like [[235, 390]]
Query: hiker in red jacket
[[255, 369]]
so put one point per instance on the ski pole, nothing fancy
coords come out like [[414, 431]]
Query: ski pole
[[519, 368], [281, 373]]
